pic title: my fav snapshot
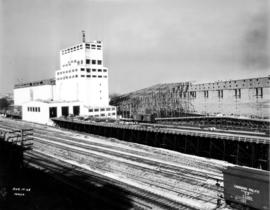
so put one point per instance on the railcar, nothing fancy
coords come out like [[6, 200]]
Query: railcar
[[146, 118], [246, 188]]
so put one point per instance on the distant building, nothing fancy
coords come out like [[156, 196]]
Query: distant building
[[80, 87], [246, 97]]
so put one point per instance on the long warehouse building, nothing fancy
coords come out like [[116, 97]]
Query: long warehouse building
[[246, 97]]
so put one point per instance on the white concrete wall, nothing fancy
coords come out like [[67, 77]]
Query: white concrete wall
[[42, 116], [67, 90], [248, 105], [25, 94]]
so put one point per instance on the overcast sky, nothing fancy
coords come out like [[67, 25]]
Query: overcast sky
[[145, 41]]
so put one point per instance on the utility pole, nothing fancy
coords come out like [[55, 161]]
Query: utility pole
[[83, 36]]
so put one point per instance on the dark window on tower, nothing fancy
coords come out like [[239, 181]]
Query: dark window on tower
[[87, 61], [99, 62], [87, 46], [93, 61]]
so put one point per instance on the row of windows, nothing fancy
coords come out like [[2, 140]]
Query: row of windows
[[33, 109], [82, 76], [103, 115], [67, 71], [101, 109], [94, 76], [78, 47], [89, 61], [225, 82], [235, 83], [93, 46], [80, 62], [93, 70], [237, 93], [88, 70]]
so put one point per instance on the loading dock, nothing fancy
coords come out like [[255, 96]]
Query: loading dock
[[65, 111], [52, 112], [76, 110]]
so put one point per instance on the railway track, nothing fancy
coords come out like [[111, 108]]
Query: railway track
[[158, 184], [198, 128], [213, 171], [185, 173], [64, 170], [57, 135]]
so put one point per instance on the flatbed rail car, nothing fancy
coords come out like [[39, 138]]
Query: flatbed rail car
[[246, 188]]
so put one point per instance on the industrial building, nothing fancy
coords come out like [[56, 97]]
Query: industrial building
[[246, 98], [80, 87]]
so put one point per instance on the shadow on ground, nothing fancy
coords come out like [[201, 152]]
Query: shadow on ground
[[24, 188]]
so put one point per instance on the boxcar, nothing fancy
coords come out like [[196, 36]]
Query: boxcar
[[138, 117], [146, 118], [246, 188]]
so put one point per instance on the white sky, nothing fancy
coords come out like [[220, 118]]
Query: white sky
[[145, 41]]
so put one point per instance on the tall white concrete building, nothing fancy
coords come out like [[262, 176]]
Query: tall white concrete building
[[80, 87], [82, 75]]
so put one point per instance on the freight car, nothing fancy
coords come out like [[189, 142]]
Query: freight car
[[146, 118], [246, 188]]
